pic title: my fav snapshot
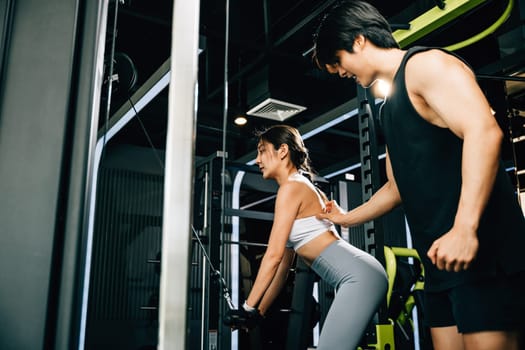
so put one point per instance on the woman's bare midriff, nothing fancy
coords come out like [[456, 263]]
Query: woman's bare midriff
[[312, 249]]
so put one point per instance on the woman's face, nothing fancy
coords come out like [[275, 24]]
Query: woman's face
[[267, 159]]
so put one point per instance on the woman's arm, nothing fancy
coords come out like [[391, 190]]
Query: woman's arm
[[277, 283], [286, 208]]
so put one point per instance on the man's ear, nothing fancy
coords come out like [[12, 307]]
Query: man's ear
[[359, 42]]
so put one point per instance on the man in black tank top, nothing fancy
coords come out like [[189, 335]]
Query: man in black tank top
[[443, 167]]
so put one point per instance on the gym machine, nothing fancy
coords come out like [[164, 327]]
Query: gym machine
[[394, 325], [373, 230], [214, 276], [396, 322]]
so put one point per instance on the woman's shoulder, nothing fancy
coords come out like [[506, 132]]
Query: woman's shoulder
[[294, 185], [304, 191]]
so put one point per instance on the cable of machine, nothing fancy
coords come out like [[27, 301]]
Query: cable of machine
[[214, 272]]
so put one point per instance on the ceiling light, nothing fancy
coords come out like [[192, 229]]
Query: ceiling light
[[349, 177], [240, 120]]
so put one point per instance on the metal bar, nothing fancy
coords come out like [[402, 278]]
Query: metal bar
[[263, 200], [176, 242], [500, 77], [370, 183], [204, 304], [369, 170], [252, 244], [299, 318], [214, 234], [70, 330], [518, 139], [234, 250], [434, 19], [249, 214]]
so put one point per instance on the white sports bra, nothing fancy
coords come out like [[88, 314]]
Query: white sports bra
[[307, 228]]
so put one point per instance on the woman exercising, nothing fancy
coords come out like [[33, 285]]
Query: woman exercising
[[359, 279]]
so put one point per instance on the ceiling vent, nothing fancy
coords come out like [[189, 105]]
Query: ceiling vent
[[275, 109], [276, 90]]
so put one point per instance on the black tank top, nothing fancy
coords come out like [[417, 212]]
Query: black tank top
[[426, 162]]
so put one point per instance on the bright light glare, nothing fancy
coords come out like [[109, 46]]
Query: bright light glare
[[240, 120], [381, 88], [350, 177]]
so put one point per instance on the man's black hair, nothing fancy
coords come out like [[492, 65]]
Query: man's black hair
[[343, 22]]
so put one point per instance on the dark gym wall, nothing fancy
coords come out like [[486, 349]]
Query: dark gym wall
[[48, 96]]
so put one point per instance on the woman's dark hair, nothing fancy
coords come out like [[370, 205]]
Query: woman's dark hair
[[343, 22], [285, 134]]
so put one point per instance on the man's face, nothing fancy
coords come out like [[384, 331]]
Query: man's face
[[354, 64]]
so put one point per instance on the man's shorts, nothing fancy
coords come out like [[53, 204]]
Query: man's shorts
[[495, 304]]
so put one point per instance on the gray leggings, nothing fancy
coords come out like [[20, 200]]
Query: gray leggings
[[361, 284]]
